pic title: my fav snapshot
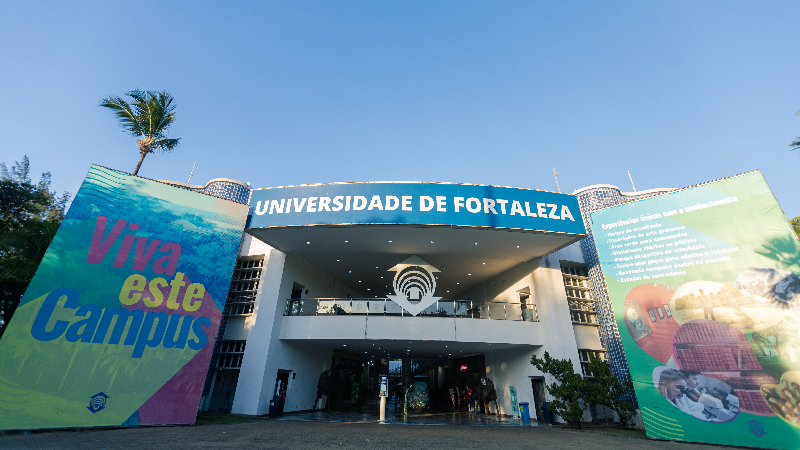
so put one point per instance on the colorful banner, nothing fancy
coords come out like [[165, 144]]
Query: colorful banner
[[706, 296], [118, 325], [416, 203]]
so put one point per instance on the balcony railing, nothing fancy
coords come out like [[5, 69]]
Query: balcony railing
[[469, 309]]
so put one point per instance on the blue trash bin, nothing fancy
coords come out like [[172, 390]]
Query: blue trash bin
[[545, 413], [524, 412]]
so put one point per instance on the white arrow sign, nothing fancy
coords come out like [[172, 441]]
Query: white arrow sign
[[414, 282]]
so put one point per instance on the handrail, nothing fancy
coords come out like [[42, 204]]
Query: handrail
[[470, 309]]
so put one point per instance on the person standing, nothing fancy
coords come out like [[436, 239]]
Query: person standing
[[708, 306]]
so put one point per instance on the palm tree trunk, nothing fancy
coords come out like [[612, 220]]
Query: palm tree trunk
[[139, 164]]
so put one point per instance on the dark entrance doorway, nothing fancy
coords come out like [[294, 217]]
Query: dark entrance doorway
[[281, 387], [538, 397]]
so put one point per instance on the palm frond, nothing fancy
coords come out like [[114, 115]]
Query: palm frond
[[126, 116], [166, 145]]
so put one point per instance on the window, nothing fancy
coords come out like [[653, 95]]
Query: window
[[584, 359], [228, 354], [579, 294]]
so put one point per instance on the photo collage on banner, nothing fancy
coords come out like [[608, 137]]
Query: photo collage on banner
[[705, 288], [118, 324]]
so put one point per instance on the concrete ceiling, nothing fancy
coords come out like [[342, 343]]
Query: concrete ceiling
[[359, 256]]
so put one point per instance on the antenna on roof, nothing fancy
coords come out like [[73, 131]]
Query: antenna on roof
[[555, 172], [629, 177], [192, 173]]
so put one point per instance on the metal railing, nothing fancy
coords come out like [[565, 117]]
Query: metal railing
[[470, 309]]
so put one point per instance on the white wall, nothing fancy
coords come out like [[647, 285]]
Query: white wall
[[265, 353], [558, 336]]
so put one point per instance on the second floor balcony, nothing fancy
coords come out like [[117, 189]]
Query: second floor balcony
[[467, 309]]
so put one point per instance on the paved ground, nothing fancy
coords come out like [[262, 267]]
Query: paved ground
[[315, 434]]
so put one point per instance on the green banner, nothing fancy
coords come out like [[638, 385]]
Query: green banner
[[706, 296], [118, 324]]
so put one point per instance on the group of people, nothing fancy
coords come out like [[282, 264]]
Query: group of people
[[467, 398], [683, 390]]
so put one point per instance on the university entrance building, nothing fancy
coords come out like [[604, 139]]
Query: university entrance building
[[440, 287]]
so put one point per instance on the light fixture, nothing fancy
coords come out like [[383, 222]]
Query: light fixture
[[337, 260], [475, 243], [518, 246], [349, 241], [390, 241], [344, 345], [458, 283], [431, 242], [349, 271], [469, 274], [484, 264]]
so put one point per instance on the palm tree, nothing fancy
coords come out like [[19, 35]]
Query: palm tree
[[148, 117]]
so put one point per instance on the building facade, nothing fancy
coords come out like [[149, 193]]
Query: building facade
[[319, 308]]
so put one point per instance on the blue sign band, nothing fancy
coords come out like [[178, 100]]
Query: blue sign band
[[416, 203]]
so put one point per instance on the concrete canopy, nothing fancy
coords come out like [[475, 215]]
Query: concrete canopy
[[360, 256]]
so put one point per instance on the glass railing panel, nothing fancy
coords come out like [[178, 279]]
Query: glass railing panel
[[309, 307], [376, 306], [359, 306], [462, 308], [513, 311], [479, 310], [431, 310], [326, 307], [446, 308], [342, 306], [295, 307], [529, 314], [393, 309], [497, 311]]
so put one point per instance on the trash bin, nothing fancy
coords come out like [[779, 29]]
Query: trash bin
[[524, 413], [273, 409], [546, 416]]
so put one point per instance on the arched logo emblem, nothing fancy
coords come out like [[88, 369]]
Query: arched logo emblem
[[414, 285]]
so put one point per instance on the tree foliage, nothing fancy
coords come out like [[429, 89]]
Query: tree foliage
[[148, 116], [795, 223], [604, 389], [572, 393], [569, 390], [795, 144], [30, 214]]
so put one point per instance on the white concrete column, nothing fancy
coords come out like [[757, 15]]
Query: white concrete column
[[251, 396]]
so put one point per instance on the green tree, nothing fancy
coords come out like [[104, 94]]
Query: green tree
[[796, 143], [29, 217], [569, 389], [604, 389], [148, 117], [795, 223]]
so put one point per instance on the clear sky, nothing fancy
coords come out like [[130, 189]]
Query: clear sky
[[278, 93]]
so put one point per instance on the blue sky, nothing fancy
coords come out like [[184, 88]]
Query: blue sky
[[277, 93]]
